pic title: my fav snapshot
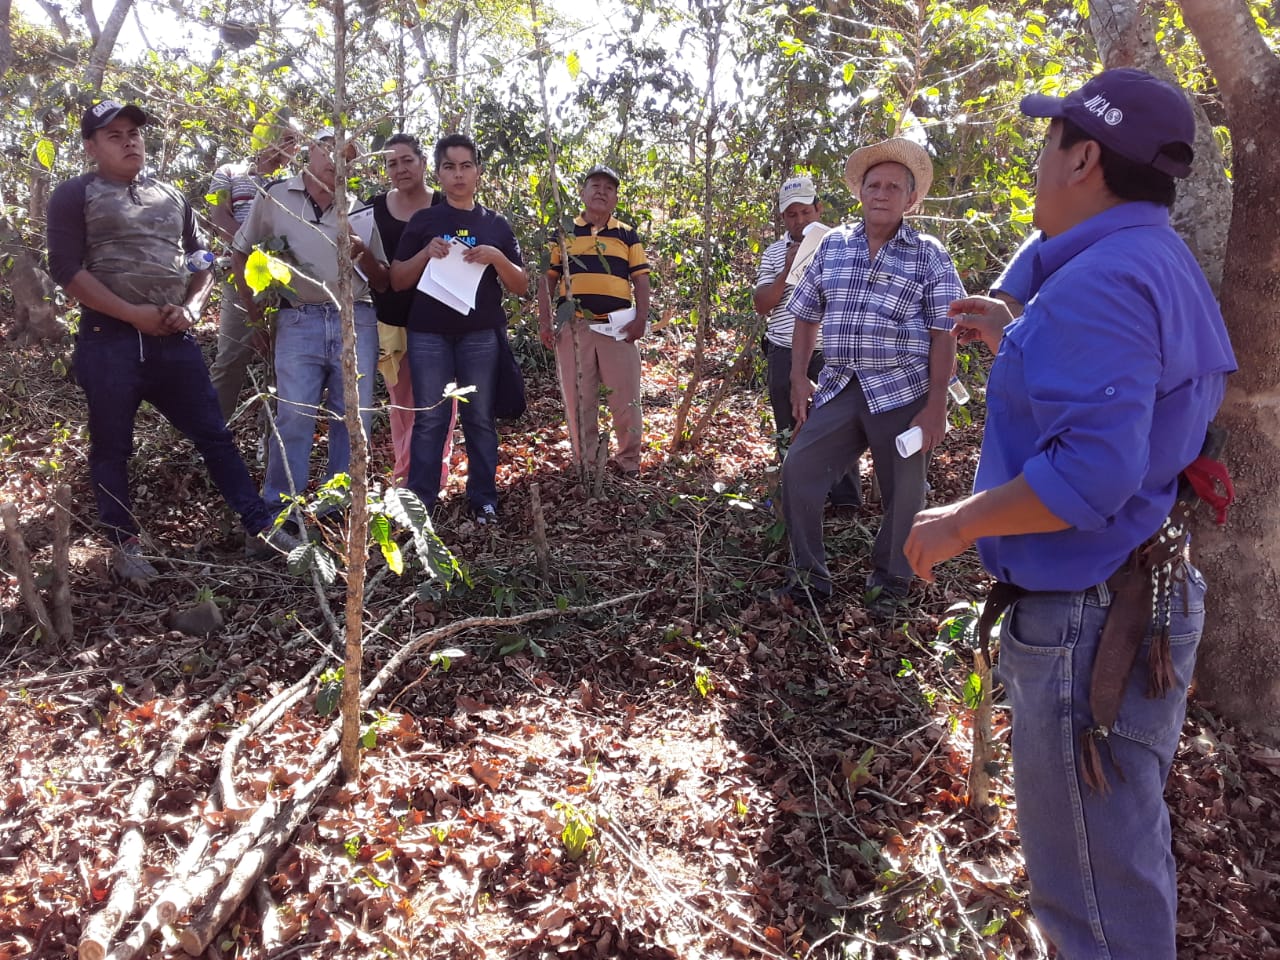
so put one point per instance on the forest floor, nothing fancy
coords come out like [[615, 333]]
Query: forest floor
[[695, 772]]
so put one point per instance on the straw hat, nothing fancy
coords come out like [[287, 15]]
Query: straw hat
[[896, 150]]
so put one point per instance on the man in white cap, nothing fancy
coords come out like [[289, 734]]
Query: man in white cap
[[880, 292], [800, 208]]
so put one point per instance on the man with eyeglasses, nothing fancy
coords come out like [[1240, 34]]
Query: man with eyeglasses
[[296, 221], [235, 186]]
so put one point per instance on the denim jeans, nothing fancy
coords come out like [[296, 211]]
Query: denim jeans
[[308, 361], [467, 359], [1103, 883], [117, 371]]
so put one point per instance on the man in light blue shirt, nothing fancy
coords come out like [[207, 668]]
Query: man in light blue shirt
[[1099, 397]]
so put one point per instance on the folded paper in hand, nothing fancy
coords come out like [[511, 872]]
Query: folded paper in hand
[[616, 324], [452, 280], [813, 235]]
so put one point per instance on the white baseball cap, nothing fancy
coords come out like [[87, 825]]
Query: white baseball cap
[[797, 190]]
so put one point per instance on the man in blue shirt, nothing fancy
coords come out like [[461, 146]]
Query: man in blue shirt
[[1099, 397], [880, 292]]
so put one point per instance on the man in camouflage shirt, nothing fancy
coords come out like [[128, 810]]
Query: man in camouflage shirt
[[118, 242]]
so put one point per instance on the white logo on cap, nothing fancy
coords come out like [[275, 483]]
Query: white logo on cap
[[1112, 117], [104, 107]]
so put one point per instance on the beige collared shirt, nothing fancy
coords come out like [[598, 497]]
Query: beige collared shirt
[[285, 212]]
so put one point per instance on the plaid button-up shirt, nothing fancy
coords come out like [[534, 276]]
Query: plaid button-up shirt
[[876, 316]]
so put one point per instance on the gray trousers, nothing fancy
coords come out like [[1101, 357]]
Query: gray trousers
[[235, 350], [825, 449], [845, 492]]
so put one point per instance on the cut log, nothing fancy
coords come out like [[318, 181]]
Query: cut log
[[541, 550], [979, 779], [60, 594], [20, 557], [245, 875]]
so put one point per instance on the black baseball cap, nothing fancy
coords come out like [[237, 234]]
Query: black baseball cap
[[100, 114]]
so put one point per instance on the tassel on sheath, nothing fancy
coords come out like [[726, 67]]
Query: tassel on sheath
[[1091, 760], [1160, 676]]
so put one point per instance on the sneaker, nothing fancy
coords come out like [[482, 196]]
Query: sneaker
[[268, 542], [128, 563], [485, 515]]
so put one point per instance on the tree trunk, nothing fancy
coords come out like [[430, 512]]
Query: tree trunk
[[105, 43], [1240, 661], [6, 37], [358, 516], [1202, 212], [713, 28]]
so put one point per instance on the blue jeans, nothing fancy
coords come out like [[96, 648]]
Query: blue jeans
[[1103, 883], [467, 359], [117, 371], [309, 385]]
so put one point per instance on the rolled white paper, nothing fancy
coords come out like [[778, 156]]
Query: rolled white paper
[[909, 442]]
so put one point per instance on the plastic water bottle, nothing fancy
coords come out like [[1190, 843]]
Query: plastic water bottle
[[958, 391], [198, 260]]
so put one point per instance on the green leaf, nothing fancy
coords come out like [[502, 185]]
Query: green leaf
[[973, 692], [328, 696], [369, 739], [395, 559], [304, 558], [574, 64], [703, 683], [388, 85], [848, 72], [45, 153], [261, 269]]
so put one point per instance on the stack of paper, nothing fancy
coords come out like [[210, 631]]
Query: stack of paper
[[616, 324], [452, 280]]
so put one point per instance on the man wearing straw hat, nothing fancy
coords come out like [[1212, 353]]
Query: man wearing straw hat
[[879, 291]]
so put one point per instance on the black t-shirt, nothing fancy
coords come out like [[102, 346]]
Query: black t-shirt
[[393, 305], [479, 226]]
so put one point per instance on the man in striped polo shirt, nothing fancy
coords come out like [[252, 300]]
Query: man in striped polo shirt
[[799, 205], [606, 264]]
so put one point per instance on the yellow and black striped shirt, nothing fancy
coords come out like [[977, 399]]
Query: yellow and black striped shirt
[[602, 262]]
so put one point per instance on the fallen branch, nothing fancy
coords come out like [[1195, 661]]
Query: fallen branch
[[272, 935], [250, 850], [245, 874], [21, 558], [266, 714], [102, 927]]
